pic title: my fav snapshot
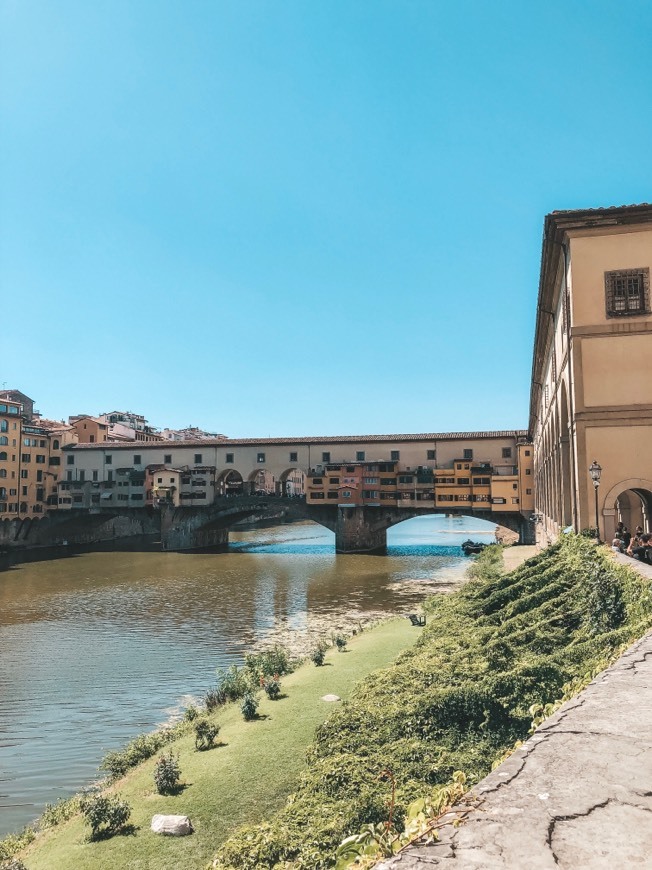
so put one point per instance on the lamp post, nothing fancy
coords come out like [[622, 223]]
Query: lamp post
[[595, 471]]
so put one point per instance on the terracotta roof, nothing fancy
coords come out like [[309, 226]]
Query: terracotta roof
[[325, 439]]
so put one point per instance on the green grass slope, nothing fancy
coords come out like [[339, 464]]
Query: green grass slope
[[457, 700], [245, 779]]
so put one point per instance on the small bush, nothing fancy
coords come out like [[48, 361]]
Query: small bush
[[249, 706], [106, 814], [205, 734], [167, 773], [214, 698], [269, 662], [340, 642], [13, 843], [61, 811], [317, 655], [139, 749], [272, 687], [234, 683], [12, 864], [191, 713]]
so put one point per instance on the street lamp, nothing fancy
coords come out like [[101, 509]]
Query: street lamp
[[595, 471]]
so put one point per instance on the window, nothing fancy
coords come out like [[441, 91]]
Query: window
[[370, 493], [464, 481], [388, 481], [229, 459], [137, 458], [317, 480], [95, 475], [481, 481], [198, 458], [24, 490], [431, 455], [26, 457], [372, 480], [528, 492], [346, 494], [627, 292], [69, 475], [70, 459], [405, 478], [332, 495], [334, 480], [515, 486], [528, 471], [359, 456], [527, 452], [514, 501], [82, 475], [395, 455], [167, 458], [326, 457], [507, 452], [159, 480], [108, 460], [4, 439], [468, 454], [4, 426], [260, 457], [55, 444], [40, 459], [24, 474], [3, 472], [109, 476], [39, 476], [294, 457], [317, 495], [91, 438]]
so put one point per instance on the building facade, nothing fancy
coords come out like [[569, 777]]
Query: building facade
[[591, 395]]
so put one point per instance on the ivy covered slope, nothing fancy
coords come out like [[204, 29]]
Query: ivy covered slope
[[457, 700]]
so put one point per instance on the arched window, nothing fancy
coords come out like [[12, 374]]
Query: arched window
[[3, 492], [4, 426], [3, 472], [55, 445], [4, 439], [3, 455]]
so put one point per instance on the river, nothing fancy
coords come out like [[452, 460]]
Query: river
[[96, 647]]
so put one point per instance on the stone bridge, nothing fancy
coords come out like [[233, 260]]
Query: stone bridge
[[358, 529]]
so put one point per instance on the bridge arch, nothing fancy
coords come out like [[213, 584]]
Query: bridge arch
[[261, 482], [630, 502], [229, 483], [291, 482]]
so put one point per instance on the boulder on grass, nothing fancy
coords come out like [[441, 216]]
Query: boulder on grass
[[173, 826]]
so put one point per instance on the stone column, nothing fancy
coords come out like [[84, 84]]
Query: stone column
[[359, 530]]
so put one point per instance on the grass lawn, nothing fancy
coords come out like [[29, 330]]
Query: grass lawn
[[243, 780]]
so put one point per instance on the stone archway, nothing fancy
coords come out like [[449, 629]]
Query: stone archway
[[630, 502]]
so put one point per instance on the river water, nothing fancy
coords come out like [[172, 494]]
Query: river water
[[96, 647]]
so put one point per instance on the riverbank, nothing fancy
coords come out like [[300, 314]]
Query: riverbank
[[244, 779], [492, 663]]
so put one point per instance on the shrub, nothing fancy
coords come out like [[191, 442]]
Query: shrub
[[167, 773], [12, 864], [61, 811], [139, 749], [191, 713], [318, 655], [233, 683], [249, 706], [13, 843], [269, 662], [205, 734], [214, 698], [271, 687], [106, 814], [339, 641]]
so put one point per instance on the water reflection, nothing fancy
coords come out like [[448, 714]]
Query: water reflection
[[100, 646]]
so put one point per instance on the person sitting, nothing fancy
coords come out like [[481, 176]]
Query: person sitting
[[622, 534], [641, 548], [617, 545]]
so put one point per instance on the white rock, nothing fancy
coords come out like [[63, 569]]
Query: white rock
[[331, 698], [174, 826]]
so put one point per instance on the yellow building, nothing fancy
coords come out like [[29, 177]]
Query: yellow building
[[591, 396], [10, 437]]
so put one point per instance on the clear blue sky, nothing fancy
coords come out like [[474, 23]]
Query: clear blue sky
[[290, 218]]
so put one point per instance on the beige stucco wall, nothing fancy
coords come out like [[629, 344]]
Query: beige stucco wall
[[617, 370], [592, 255]]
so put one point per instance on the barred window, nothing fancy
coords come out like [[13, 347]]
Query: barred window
[[627, 292]]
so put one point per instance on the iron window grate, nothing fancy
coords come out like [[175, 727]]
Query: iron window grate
[[627, 292]]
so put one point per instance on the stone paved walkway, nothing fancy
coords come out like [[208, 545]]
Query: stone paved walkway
[[577, 795]]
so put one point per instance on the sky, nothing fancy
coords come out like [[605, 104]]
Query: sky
[[301, 218]]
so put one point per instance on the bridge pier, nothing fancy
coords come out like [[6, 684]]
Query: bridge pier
[[358, 531], [186, 530]]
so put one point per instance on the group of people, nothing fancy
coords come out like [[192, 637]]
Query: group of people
[[638, 545]]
